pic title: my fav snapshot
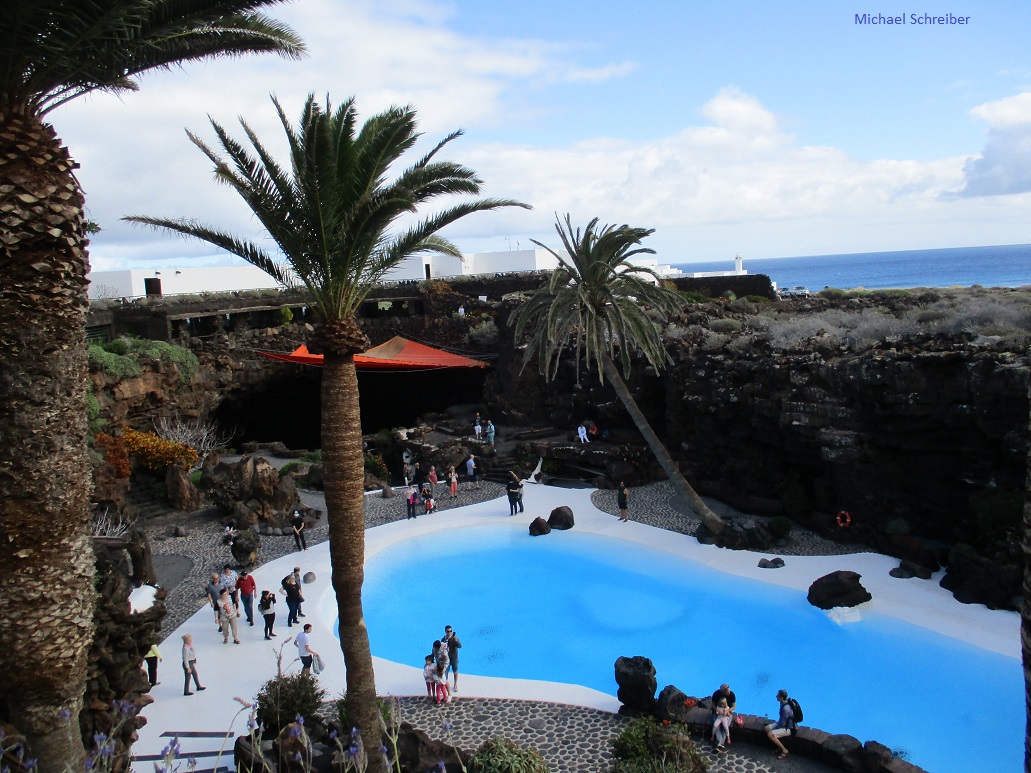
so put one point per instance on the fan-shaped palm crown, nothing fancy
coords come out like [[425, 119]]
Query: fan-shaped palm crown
[[596, 300]]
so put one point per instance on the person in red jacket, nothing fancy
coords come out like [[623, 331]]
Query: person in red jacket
[[246, 586]]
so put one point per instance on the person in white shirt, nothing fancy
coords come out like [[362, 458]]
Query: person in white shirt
[[304, 650]]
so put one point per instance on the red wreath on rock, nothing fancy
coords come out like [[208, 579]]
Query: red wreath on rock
[[690, 702], [844, 519]]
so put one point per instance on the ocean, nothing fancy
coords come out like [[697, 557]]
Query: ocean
[[998, 266]]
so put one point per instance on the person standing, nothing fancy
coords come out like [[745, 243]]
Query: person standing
[[152, 657], [190, 665], [293, 599], [411, 500], [453, 644], [491, 431], [300, 592], [783, 726], [212, 590], [452, 479], [246, 587], [304, 650], [297, 524], [267, 608], [514, 488], [477, 427], [470, 470], [431, 477], [623, 502], [418, 476], [227, 617], [228, 580]]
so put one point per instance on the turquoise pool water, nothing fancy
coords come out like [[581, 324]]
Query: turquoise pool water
[[563, 608]]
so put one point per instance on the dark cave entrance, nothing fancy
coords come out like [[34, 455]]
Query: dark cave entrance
[[287, 408]]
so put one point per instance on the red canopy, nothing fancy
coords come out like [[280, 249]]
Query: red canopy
[[396, 354]]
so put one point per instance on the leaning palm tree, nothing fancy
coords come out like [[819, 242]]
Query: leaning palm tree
[[332, 217], [51, 52], [596, 302]]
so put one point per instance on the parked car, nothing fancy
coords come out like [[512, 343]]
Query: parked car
[[797, 291]]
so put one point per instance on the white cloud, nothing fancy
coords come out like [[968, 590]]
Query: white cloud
[[1004, 166]]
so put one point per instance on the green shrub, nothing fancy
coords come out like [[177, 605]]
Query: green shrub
[[728, 295], [743, 306], [645, 746], [315, 457], [500, 755], [833, 294], [119, 366], [780, 527], [284, 697], [287, 468], [184, 359], [725, 325], [483, 335], [757, 299], [119, 346], [693, 297], [375, 465], [195, 476], [287, 314]]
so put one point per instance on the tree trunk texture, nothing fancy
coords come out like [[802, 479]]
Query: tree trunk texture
[[46, 554], [343, 468], [713, 522]]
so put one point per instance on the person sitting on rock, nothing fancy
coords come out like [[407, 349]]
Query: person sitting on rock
[[783, 726]]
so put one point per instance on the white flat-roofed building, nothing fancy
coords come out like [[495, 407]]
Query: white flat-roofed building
[[136, 282]]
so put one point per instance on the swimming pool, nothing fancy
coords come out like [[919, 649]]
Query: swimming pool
[[563, 608]]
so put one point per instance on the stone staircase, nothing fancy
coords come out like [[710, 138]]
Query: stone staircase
[[146, 501]]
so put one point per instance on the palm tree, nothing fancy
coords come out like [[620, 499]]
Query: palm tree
[[53, 51], [331, 218], [595, 302]]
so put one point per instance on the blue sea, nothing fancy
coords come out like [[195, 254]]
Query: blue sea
[[998, 266]]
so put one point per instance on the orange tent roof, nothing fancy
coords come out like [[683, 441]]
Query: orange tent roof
[[396, 354]]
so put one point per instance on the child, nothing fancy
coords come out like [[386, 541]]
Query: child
[[430, 503], [443, 694], [721, 724], [429, 673]]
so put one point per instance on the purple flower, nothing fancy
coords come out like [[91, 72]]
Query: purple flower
[[296, 730], [299, 719]]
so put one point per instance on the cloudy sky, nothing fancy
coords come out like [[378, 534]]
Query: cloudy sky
[[743, 126]]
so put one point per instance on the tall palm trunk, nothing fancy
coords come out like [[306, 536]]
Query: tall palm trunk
[[344, 473], [713, 522], [46, 554]]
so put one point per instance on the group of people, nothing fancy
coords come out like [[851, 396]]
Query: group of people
[[514, 489], [587, 431], [441, 663], [724, 704], [480, 430]]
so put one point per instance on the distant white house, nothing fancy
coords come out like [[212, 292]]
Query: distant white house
[[135, 282]]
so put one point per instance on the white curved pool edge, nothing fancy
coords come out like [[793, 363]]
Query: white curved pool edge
[[240, 670]]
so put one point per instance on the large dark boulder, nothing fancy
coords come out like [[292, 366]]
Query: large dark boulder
[[636, 682], [539, 527], [976, 579], [671, 706], [838, 589], [245, 547], [561, 518], [843, 752], [182, 494]]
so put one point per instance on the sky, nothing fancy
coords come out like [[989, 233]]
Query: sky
[[743, 126]]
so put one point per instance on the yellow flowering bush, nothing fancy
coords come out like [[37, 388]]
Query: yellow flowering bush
[[155, 453]]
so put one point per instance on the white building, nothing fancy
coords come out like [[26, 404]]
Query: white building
[[133, 283]]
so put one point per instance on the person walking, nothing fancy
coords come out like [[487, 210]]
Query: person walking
[[267, 609], [190, 664], [304, 650], [514, 488], [246, 587], [623, 502], [297, 524], [152, 657], [227, 617], [453, 644], [212, 589], [293, 599]]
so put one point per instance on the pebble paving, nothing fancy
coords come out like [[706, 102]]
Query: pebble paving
[[572, 739]]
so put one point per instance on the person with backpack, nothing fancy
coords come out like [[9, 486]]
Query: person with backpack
[[786, 724]]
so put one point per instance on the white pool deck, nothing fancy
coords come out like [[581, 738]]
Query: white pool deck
[[231, 671]]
